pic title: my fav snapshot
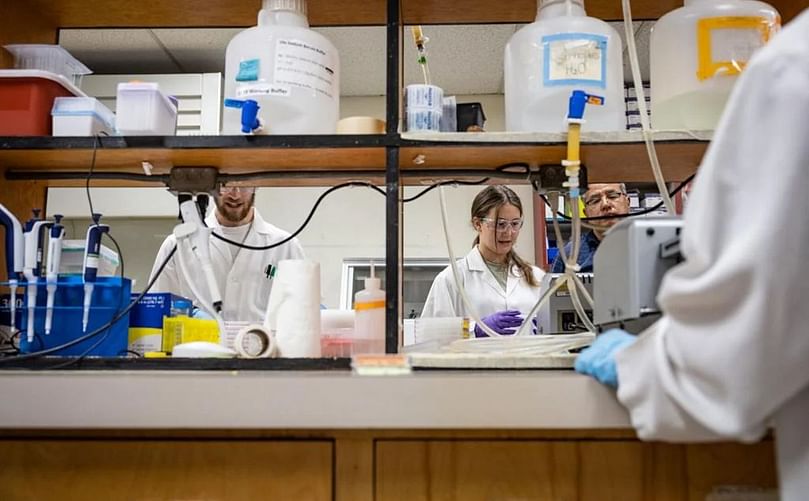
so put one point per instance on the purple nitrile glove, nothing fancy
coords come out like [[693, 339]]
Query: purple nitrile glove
[[502, 322], [599, 359]]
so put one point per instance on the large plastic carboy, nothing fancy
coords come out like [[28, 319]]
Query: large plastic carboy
[[292, 72], [697, 52], [561, 51]]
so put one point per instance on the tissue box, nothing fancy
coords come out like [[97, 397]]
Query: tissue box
[[72, 261], [146, 320]]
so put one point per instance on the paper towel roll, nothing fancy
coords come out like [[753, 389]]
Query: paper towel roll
[[293, 310]]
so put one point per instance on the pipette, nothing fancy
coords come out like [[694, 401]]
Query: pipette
[[91, 252], [421, 41], [15, 249], [200, 245], [32, 267], [57, 234]]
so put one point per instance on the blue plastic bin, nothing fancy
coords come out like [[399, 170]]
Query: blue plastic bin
[[110, 296]]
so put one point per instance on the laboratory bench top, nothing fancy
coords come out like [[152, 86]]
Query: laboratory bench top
[[314, 399]]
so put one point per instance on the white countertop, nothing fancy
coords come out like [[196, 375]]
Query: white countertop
[[306, 400]]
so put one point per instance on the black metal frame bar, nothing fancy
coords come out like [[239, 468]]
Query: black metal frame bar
[[393, 206]]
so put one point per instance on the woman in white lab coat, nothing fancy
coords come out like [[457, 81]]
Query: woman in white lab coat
[[730, 356], [501, 286]]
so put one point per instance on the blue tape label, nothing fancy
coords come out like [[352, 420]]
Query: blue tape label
[[574, 59], [248, 71]]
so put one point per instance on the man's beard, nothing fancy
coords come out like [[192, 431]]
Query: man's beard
[[235, 214]]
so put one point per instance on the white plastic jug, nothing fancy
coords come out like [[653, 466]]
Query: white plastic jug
[[697, 52], [561, 51], [292, 72]]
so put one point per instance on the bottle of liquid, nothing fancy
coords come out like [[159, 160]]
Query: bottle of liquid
[[291, 72], [369, 317], [697, 53], [561, 51]]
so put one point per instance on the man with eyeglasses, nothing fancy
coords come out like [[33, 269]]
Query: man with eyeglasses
[[243, 275], [599, 200]]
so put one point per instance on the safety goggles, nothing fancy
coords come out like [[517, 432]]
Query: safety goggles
[[236, 190], [596, 198], [503, 225]]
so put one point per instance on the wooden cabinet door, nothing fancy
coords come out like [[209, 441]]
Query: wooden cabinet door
[[555, 470], [165, 469]]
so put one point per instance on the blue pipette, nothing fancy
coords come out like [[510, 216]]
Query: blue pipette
[[57, 234], [15, 249], [91, 257], [32, 266]]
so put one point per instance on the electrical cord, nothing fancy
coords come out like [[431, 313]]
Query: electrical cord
[[100, 329], [305, 222], [619, 216], [443, 183], [90, 172]]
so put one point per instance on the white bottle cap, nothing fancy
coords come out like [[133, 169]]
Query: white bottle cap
[[293, 5]]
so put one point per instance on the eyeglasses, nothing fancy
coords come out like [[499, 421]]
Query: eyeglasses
[[596, 198], [224, 190], [503, 225]]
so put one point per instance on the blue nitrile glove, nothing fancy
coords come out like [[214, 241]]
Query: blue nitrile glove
[[201, 314], [503, 322], [599, 359]]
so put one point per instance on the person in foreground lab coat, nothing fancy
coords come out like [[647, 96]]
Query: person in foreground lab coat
[[730, 356], [243, 275], [500, 285]]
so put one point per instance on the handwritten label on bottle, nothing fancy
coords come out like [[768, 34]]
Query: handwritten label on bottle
[[575, 59]]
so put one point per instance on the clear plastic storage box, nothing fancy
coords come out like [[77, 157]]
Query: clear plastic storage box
[[81, 116], [142, 109], [52, 58]]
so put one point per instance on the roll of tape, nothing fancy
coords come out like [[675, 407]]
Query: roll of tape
[[255, 341], [421, 96], [423, 120], [361, 125]]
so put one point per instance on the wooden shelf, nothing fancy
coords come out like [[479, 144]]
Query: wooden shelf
[[290, 158], [213, 13], [608, 156], [330, 159]]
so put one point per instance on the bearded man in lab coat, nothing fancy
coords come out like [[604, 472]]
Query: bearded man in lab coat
[[243, 275], [730, 356]]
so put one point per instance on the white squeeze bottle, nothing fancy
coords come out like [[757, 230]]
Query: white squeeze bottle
[[563, 50], [696, 54], [289, 70], [369, 317]]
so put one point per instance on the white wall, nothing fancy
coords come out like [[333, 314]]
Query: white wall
[[349, 223]]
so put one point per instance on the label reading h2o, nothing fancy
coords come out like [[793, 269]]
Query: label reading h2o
[[305, 65], [574, 59]]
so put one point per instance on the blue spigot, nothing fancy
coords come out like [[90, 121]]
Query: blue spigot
[[578, 99], [249, 107]]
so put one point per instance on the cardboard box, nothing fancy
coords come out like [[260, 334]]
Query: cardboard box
[[146, 321]]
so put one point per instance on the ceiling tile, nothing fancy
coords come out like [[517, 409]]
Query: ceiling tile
[[111, 51], [362, 58], [462, 59], [197, 50]]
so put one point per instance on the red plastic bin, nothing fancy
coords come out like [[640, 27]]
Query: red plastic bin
[[26, 99]]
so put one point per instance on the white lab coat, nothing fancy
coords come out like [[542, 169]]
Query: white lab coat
[[730, 357], [482, 288], [244, 285]]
